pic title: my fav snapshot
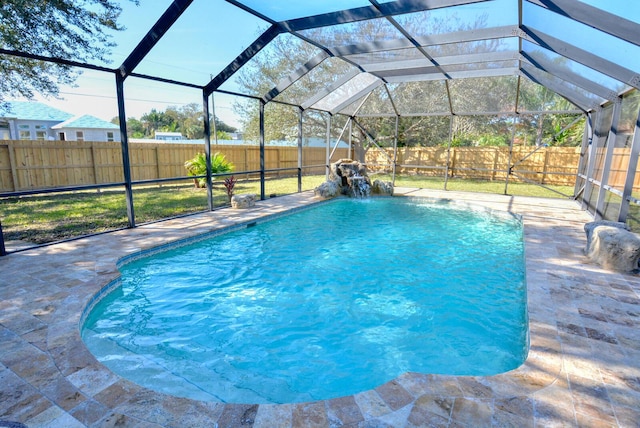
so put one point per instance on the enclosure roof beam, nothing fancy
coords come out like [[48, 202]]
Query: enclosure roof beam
[[443, 60], [599, 19], [356, 96], [579, 101], [333, 18], [251, 11], [475, 35], [370, 12], [459, 74], [565, 74], [262, 41], [476, 113], [393, 104], [60, 61], [487, 72], [574, 53], [434, 39], [411, 39], [396, 73], [361, 103], [335, 85], [293, 77], [169, 81], [369, 47], [168, 18], [402, 7]]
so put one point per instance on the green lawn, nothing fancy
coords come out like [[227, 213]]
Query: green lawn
[[480, 186], [53, 217]]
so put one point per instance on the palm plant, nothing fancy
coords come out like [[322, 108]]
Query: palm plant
[[198, 166]]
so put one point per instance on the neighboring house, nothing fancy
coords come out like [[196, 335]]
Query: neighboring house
[[86, 128], [30, 120], [168, 136]]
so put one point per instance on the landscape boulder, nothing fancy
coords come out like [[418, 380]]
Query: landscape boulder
[[243, 201], [613, 246], [589, 227], [380, 187], [326, 190]]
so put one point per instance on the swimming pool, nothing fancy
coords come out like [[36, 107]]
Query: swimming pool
[[322, 303]]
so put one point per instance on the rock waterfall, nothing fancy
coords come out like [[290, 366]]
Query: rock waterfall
[[349, 177]]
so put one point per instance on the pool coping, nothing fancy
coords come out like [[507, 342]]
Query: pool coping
[[51, 379]]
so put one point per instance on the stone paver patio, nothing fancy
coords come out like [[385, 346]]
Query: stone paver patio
[[583, 367]]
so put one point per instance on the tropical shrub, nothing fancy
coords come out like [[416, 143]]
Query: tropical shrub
[[198, 166], [230, 184]]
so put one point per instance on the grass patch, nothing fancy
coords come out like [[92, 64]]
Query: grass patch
[[479, 186], [52, 217]]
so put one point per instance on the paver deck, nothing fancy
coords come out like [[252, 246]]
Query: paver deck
[[583, 367]]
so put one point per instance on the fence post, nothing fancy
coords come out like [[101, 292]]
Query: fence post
[[157, 153], [545, 166], [452, 169], [496, 155], [509, 166], [12, 164], [94, 163], [446, 166]]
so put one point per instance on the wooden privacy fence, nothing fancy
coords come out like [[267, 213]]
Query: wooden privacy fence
[[27, 165], [548, 165]]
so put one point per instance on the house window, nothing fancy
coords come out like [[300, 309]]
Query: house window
[[24, 132], [79, 136], [110, 136], [4, 131], [62, 136], [41, 132]]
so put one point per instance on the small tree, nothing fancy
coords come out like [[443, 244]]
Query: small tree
[[198, 167], [67, 29], [230, 184]]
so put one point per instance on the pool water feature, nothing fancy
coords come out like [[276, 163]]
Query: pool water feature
[[326, 302]]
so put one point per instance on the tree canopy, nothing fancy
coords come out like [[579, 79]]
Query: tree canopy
[[187, 120], [75, 30], [424, 107]]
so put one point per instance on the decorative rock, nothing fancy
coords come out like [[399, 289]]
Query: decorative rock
[[382, 187], [614, 248], [589, 227], [326, 190], [243, 201], [346, 177]]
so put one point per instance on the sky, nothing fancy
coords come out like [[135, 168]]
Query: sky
[[206, 38], [179, 55], [211, 33]]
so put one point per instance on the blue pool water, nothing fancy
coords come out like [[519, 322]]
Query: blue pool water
[[325, 302]]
